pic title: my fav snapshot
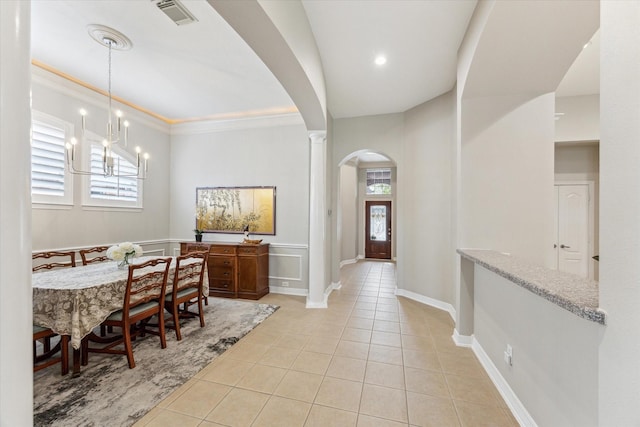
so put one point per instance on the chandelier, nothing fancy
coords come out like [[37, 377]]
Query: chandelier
[[117, 131]]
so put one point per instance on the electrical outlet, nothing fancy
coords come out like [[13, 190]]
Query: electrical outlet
[[508, 355], [285, 284]]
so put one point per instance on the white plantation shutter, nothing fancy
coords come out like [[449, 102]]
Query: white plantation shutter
[[113, 188], [49, 181]]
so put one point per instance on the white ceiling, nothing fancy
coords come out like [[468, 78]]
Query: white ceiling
[[204, 70], [583, 78]]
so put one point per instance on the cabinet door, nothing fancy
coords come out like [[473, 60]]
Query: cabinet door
[[247, 275], [253, 274]]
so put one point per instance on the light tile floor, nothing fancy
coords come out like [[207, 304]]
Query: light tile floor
[[370, 359]]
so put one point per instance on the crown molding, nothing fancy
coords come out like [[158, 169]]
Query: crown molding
[[210, 126], [91, 96]]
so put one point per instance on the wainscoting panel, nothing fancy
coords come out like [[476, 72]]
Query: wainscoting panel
[[288, 269]]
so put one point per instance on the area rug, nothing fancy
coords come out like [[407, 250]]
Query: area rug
[[108, 393]]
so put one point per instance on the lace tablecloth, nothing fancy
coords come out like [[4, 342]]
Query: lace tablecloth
[[73, 301]]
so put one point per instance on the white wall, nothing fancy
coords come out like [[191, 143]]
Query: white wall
[[507, 176], [77, 226], [619, 375], [248, 153], [580, 120], [425, 243], [555, 353], [348, 212]]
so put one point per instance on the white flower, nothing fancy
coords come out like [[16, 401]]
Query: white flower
[[118, 252]]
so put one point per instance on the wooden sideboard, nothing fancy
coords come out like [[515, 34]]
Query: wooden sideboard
[[235, 270]]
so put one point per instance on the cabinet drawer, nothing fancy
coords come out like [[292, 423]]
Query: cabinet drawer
[[248, 249], [223, 250], [221, 284], [221, 261], [194, 247], [225, 273]]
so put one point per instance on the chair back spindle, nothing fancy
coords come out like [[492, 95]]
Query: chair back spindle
[[88, 256], [61, 259]]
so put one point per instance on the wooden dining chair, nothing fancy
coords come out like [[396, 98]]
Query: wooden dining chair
[[88, 256], [53, 259], [186, 289], [143, 298], [46, 358]]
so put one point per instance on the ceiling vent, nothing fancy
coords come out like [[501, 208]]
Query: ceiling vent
[[176, 12]]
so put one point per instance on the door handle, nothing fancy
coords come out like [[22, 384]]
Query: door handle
[[565, 247]]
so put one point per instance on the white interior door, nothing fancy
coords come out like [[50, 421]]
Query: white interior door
[[573, 225]]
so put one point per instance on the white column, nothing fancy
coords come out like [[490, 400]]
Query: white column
[[317, 220], [16, 369]]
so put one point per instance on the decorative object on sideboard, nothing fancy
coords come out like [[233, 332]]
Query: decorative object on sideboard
[[231, 209], [248, 239], [124, 253], [201, 212], [117, 129]]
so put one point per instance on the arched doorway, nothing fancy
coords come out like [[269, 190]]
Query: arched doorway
[[366, 181]]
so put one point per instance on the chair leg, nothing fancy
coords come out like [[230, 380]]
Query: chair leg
[[200, 313], [126, 331], [163, 336], [176, 321]]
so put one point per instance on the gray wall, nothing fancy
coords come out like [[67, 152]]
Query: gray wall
[[249, 153], [425, 244], [75, 226]]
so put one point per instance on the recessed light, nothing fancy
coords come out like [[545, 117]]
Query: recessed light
[[380, 60]]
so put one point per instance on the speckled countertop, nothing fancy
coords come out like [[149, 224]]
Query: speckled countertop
[[571, 292]]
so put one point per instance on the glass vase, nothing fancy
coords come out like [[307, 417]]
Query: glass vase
[[125, 262]]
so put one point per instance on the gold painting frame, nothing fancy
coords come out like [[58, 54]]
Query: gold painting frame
[[231, 209]]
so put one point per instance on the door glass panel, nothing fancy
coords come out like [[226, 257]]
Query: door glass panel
[[378, 223]]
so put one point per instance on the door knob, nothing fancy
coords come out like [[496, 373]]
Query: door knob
[[565, 247]]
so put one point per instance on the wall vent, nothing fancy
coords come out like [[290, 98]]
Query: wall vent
[[176, 12]]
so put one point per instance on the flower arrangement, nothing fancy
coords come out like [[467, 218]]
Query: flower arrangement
[[123, 252]]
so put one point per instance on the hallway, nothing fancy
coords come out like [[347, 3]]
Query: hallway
[[370, 359]]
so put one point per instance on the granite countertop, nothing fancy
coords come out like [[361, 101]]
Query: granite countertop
[[571, 292]]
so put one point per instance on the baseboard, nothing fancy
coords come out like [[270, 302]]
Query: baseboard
[[347, 261], [322, 304], [515, 405], [462, 340], [288, 291], [325, 302], [428, 301]]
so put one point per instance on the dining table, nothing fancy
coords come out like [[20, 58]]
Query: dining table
[[74, 301]]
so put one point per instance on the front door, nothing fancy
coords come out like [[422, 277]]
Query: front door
[[378, 230]]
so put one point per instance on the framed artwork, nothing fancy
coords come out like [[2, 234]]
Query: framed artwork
[[231, 209]]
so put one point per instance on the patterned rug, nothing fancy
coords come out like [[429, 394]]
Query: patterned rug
[[108, 393]]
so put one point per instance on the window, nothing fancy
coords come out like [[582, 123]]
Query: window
[[50, 182], [113, 191], [378, 181]]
